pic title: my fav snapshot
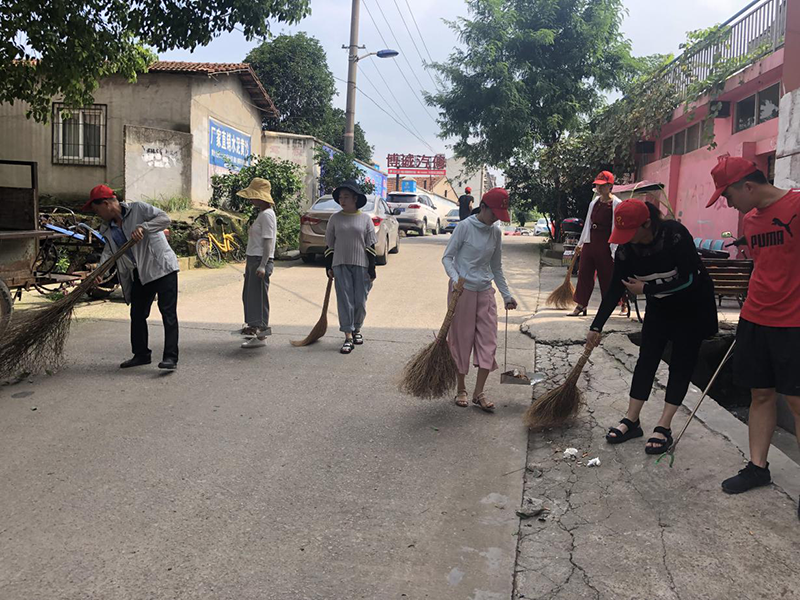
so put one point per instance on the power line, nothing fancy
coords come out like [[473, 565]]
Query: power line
[[399, 104], [368, 97], [421, 60], [377, 91], [422, 38], [402, 53]]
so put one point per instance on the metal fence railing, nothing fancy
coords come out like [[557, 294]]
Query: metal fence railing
[[758, 29]]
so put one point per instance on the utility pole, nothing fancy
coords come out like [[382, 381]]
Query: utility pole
[[352, 69]]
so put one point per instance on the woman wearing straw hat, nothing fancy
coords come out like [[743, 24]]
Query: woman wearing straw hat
[[260, 257], [596, 251], [474, 254], [350, 260]]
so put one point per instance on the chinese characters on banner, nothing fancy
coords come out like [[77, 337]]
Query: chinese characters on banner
[[416, 164], [228, 149]]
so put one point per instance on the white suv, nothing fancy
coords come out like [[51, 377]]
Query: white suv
[[416, 211]]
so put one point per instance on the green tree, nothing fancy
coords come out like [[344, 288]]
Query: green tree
[[332, 132], [286, 178], [528, 71], [337, 169], [65, 47], [295, 73]]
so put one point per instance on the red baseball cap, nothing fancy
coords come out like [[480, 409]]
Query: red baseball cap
[[99, 192], [729, 170], [628, 217], [468, 190], [497, 200], [603, 178]]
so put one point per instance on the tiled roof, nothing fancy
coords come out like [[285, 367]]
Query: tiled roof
[[244, 71]]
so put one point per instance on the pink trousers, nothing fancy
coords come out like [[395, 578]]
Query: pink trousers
[[474, 330]]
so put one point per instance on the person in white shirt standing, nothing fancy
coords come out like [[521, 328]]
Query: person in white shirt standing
[[260, 262], [474, 254]]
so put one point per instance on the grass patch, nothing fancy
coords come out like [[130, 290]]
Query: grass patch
[[171, 204]]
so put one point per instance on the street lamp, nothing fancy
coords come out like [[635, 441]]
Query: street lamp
[[352, 68]]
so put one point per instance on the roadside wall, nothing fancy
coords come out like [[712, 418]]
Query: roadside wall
[[158, 163], [300, 150]]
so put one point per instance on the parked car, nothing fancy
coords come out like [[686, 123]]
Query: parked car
[[415, 211], [314, 222], [510, 230], [524, 231], [542, 227], [452, 220]]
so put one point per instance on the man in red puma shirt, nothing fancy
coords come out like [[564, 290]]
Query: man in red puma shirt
[[767, 356]]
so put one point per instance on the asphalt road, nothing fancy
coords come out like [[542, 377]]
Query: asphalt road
[[279, 472]]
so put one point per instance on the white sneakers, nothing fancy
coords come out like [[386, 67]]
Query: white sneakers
[[254, 343]]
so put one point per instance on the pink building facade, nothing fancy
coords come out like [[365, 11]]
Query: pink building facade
[[746, 126]]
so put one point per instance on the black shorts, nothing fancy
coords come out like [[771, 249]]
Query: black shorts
[[767, 357]]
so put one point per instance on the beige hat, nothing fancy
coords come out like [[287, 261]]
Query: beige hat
[[259, 189]]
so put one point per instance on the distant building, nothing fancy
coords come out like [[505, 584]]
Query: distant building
[[480, 180], [164, 135]]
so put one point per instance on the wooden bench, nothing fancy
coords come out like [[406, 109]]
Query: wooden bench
[[731, 277]]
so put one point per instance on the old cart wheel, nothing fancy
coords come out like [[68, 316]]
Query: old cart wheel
[[238, 249], [208, 253], [6, 306]]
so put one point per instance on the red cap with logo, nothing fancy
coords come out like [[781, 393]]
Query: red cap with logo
[[729, 170], [603, 178], [628, 217], [497, 200], [99, 192]]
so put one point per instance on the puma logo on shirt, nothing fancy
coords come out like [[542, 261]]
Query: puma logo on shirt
[[786, 226]]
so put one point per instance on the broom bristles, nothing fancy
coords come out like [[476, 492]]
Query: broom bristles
[[318, 331], [561, 297], [431, 373], [561, 405], [34, 339]]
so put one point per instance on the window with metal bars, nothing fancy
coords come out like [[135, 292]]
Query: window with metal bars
[[79, 135]]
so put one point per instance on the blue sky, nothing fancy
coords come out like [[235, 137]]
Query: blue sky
[[652, 27]]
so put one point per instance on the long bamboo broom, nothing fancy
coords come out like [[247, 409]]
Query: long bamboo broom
[[562, 404], [322, 325], [34, 339], [432, 372], [561, 297]]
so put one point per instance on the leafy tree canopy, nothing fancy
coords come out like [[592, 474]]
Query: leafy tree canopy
[[528, 71], [336, 169], [64, 47], [332, 131]]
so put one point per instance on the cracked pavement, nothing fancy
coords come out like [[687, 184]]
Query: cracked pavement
[[631, 528]]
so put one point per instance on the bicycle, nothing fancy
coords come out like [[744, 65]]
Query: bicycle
[[213, 253]]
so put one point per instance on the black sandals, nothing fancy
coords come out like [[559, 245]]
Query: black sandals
[[661, 445], [357, 338], [634, 431], [347, 347]]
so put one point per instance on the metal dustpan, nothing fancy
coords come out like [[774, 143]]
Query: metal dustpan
[[518, 375]]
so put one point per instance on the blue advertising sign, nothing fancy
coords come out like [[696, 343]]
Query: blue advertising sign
[[378, 179], [228, 149], [408, 185]]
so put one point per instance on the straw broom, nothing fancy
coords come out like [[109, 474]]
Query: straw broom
[[560, 405], [34, 339], [322, 325], [432, 372], [561, 297]]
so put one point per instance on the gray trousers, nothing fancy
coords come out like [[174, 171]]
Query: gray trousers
[[255, 293], [352, 288]]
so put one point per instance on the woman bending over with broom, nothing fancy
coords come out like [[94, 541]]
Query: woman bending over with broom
[[350, 260], [474, 253], [657, 258], [596, 249]]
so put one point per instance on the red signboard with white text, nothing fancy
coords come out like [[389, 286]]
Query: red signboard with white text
[[419, 172], [419, 165]]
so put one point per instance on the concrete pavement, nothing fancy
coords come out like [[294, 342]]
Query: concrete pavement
[[275, 473], [632, 529]]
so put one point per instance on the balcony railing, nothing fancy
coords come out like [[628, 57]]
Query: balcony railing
[[758, 30]]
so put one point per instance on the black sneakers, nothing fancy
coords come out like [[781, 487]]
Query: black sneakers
[[748, 478]]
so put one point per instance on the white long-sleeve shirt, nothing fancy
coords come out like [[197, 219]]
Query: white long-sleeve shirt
[[475, 253], [586, 234]]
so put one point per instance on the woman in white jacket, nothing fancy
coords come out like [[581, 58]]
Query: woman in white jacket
[[474, 254], [596, 252]]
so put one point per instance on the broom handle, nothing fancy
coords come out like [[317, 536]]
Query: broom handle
[[703, 397], [451, 309], [572, 264], [327, 296]]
